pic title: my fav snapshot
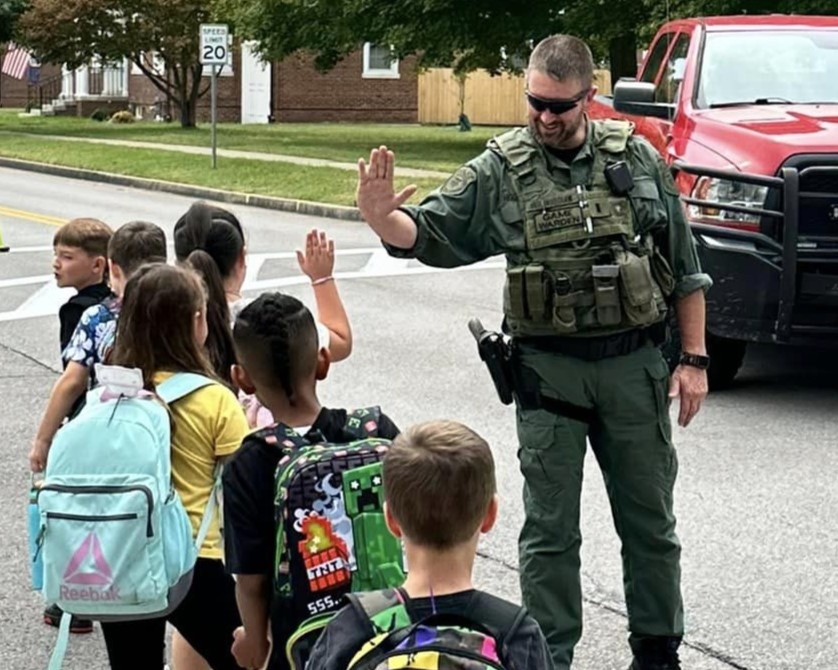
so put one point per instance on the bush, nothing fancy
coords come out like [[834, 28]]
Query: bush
[[123, 117], [99, 114]]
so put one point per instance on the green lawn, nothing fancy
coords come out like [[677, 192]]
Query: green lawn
[[330, 185], [441, 148]]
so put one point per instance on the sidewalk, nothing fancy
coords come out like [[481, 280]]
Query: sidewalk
[[226, 153]]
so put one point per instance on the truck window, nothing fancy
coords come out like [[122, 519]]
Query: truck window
[[673, 72], [655, 58], [793, 66]]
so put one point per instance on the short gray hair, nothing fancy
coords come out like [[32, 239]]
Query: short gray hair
[[563, 57]]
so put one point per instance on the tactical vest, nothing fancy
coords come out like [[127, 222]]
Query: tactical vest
[[586, 267]]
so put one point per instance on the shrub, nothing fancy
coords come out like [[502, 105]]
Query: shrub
[[123, 116]]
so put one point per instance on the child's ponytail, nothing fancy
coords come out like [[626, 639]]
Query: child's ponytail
[[219, 344]]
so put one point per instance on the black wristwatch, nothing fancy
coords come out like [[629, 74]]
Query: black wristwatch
[[695, 360]]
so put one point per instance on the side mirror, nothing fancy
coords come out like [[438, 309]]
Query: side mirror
[[638, 98]]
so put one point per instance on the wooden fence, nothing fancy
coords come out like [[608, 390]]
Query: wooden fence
[[496, 101]]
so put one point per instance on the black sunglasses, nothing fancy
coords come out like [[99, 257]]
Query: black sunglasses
[[555, 106]]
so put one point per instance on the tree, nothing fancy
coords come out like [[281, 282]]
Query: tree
[[76, 31], [493, 34], [10, 11]]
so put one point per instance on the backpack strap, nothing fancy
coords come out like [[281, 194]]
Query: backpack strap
[[178, 386], [61, 642], [501, 617], [363, 422]]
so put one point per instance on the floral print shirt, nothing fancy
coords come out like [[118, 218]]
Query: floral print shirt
[[94, 335]]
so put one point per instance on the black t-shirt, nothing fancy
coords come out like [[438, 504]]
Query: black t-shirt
[[566, 155], [249, 526], [70, 312], [349, 630]]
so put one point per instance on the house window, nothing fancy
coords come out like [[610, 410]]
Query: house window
[[379, 62]]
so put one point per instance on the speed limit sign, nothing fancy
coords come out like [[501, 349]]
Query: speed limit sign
[[214, 46]]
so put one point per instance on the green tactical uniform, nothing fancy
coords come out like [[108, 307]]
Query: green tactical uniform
[[589, 277]]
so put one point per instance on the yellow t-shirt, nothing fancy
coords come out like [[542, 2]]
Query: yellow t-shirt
[[209, 425]]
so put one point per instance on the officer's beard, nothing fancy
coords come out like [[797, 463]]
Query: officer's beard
[[561, 135]]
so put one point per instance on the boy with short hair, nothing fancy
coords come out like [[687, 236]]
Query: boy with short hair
[[80, 261], [131, 246], [280, 361], [440, 492]]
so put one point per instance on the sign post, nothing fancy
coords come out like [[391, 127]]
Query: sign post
[[214, 52]]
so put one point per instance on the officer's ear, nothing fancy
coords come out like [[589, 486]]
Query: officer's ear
[[491, 515], [390, 520]]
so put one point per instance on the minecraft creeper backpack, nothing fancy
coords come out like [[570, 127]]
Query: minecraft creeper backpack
[[331, 537]]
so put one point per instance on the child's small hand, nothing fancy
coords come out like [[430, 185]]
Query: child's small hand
[[319, 259], [38, 455], [248, 651]]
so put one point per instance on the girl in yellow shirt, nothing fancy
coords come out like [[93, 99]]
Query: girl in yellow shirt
[[162, 329]]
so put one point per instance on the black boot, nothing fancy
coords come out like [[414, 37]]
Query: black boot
[[655, 653]]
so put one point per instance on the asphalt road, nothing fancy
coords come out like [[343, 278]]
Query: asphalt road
[[756, 497]]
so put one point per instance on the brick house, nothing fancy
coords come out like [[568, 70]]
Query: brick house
[[364, 86]]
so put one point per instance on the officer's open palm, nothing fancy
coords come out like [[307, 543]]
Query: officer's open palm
[[375, 195]]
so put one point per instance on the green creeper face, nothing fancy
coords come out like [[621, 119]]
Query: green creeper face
[[363, 490]]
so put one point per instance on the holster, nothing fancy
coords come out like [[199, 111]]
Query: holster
[[515, 381]]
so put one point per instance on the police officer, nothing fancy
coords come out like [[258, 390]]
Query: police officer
[[597, 246]]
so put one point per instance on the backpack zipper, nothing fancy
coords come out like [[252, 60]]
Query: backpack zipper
[[85, 517], [63, 488]]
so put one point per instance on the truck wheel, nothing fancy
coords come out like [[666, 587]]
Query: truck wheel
[[726, 357]]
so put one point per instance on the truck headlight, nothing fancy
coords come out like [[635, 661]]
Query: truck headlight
[[726, 192]]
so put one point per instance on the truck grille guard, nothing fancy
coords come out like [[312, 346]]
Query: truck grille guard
[[787, 184]]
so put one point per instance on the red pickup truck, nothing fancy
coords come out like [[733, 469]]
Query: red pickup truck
[[745, 111]]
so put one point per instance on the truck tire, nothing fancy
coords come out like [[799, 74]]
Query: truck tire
[[726, 357]]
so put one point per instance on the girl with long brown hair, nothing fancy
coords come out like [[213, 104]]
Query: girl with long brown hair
[[162, 330]]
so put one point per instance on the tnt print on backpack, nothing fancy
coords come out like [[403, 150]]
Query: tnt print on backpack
[[331, 536]]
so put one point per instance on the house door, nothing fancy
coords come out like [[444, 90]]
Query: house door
[[256, 86]]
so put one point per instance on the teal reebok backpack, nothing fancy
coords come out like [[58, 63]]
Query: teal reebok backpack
[[115, 539]]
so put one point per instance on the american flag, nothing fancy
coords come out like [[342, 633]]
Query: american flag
[[15, 61]]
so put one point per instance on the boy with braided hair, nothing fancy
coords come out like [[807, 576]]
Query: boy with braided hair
[[280, 361]]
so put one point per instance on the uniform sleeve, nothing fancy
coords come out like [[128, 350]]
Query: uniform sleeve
[[231, 424], [677, 241], [249, 533], [462, 222]]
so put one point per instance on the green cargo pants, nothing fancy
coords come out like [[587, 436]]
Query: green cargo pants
[[632, 442]]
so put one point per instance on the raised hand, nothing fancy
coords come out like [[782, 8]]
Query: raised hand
[[318, 260], [375, 196]]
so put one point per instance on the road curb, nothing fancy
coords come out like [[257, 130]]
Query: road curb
[[218, 195]]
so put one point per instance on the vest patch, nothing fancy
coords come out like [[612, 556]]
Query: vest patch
[[557, 218]]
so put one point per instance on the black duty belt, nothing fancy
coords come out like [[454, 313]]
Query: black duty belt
[[599, 347]]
